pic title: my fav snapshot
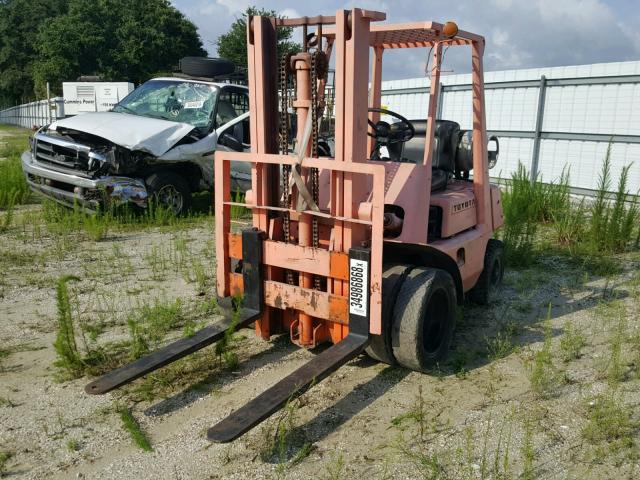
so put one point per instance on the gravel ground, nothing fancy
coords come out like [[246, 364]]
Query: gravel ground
[[498, 409]]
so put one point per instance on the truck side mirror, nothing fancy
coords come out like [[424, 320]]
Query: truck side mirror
[[230, 141]]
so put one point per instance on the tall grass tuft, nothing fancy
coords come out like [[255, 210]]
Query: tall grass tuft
[[130, 424], [69, 358], [238, 212], [149, 324], [7, 219], [599, 210], [569, 224], [612, 224], [13, 186], [556, 198], [522, 204], [224, 349]]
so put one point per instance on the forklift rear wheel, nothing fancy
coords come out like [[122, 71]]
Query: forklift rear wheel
[[491, 276], [424, 319], [393, 276]]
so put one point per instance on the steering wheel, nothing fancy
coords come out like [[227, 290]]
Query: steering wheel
[[388, 134]]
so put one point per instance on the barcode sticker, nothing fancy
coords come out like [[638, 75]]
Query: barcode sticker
[[358, 287]]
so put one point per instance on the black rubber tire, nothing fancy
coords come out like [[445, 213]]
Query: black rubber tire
[[206, 67], [491, 277], [393, 276], [159, 182], [424, 319]]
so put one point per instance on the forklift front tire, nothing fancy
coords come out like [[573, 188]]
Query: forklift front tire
[[492, 273], [424, 319], [393, 276]]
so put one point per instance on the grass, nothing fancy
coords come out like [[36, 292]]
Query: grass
[[571, 343], [282, 442], [69, 358], [616, 371], [587, 233], [499, 346], [130, 424], [13, 187], [612, 225], [521, 202], [335, 468], [543, 375], [610, 426], [7, 218], [73, 445], [418, 414], [150, 323], [527, 452], [239, 212], [4, 459], [61, 220], [224, 349]]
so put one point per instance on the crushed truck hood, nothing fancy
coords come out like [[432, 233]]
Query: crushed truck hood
[[134, 132]]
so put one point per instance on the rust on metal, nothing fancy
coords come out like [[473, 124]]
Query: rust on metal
[[313, 302]]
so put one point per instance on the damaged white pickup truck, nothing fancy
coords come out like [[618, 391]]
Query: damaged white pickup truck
[[158, 142]]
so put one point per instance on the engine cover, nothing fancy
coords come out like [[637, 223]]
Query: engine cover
[[458, 204]]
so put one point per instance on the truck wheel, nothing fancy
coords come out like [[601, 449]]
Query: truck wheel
[[424, 319], [170, 191], [492, 273], [393, 276]]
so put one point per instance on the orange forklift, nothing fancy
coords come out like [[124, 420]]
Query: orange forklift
[[370, 249]]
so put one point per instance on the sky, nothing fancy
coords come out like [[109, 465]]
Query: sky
[[518, 33]]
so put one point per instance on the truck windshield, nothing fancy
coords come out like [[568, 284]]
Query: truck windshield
[[174, 100]]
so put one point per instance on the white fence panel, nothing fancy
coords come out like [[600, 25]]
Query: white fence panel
[[584, 108], [34, 114]]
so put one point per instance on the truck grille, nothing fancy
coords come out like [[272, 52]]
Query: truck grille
[[51, 154], [63, 154]]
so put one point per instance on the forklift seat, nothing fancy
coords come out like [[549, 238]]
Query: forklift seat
[[444, 150]]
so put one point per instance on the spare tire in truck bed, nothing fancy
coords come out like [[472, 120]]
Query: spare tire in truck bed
[[206, 67]]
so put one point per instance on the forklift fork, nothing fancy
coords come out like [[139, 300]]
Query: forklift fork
[[250, 311], [296, 383]]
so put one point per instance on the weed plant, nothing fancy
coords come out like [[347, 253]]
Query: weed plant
[[335, 469], [543, 375], [69, 358], [130, 424], [4, 459], [616, 370], [13, 187], [7, 218], [571, 343], [610, 425], [612, 224], [224, 349], [149, 324], [609, 224], [238, 212], [522, 204], [527, 452]]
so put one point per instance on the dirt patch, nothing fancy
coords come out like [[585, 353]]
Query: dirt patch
[[524, 394]]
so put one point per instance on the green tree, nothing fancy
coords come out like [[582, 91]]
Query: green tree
[[233, 44], [116, 39], [20, 21]]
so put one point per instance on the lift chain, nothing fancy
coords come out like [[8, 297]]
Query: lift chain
[[285, 199], [315, 174]]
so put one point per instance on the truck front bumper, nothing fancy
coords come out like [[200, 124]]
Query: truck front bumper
[[87, 193]]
